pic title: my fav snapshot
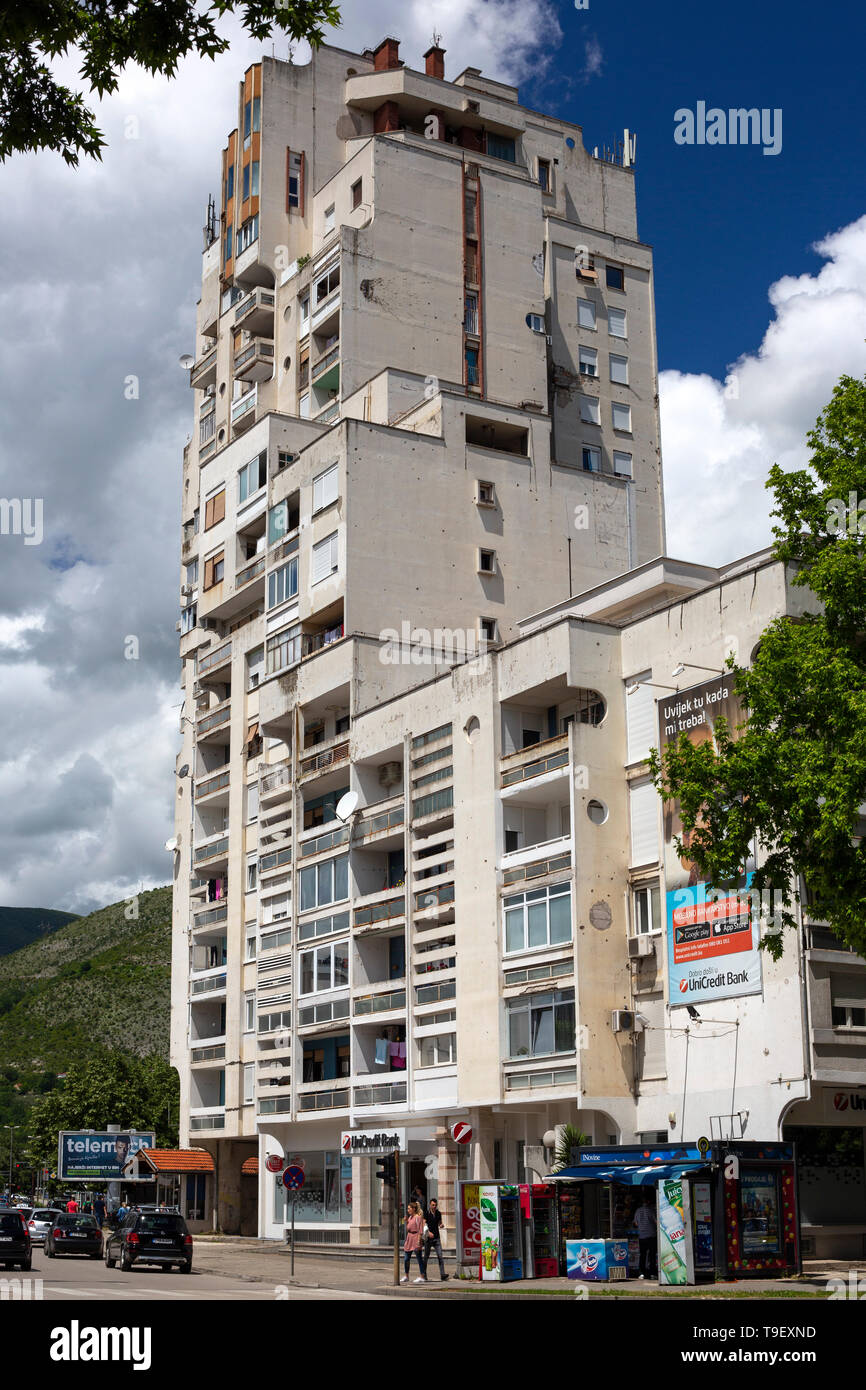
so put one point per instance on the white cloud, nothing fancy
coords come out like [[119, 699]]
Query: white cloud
[[719, 439]]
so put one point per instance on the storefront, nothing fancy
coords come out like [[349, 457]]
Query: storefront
[[181, 1178], [829, 1132]]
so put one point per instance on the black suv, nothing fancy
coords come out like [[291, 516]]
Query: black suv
[[150, 1238], [14, 1239]]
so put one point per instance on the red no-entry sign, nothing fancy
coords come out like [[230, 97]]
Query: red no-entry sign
[[293, 1177], [461, 1133]]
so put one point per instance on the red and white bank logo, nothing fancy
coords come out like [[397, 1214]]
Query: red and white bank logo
[[840, 1101], [684, 986], [347, 1143]]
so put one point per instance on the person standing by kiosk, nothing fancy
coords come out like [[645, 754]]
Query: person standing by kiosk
[[647, 1234]]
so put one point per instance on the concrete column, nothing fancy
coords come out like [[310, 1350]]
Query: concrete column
[[447, 1153], [362, 1230]]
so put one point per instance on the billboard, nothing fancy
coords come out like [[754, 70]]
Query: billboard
[[98, 1154], [712, 935]]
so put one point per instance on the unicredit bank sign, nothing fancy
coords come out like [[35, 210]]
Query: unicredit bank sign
[[371, 1143], [848, 1107]]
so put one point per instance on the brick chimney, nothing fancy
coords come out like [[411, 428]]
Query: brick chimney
[[387, 55], [434, 62]]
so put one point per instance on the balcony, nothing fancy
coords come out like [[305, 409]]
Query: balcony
[[278, 859], [208, 984], [244, 411], [211, 1119], [535, 861], [376, 824], [322, 1095], [250, 572], [255, 362], [203, 373], [325, 374], [209, 916], [386, 1002], [213, 850], [275, 781], [379, 911], [214, 1052], [326, 416], [215, 787], [210, 661], [312, 642], [256, 313], [435, 994], [534, 761], [280, 1105], [215, 724], [389, 1093], [321, 762]]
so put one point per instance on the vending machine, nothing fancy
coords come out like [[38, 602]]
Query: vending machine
[[570, 1218], [501, 1232], [540, 1230]]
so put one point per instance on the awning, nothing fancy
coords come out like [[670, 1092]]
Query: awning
[[629, 1175]]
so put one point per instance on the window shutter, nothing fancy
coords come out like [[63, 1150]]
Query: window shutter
[[208, 574], [215, 509], [325, 488], [654, 1062], [643, 810], [301, 180], [640, 719], [325, 558]]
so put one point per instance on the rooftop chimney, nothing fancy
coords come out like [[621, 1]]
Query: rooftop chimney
[[434, 62], [387, 55]]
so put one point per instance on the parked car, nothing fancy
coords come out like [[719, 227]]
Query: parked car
[[150, 1238], [74, 1234], [39, 1222], [15, 1248]]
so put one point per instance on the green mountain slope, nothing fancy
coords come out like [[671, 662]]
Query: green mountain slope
[[100, 981], [21, 925]]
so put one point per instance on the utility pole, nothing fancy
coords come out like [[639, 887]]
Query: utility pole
[[396, 1205], [11, 1129]]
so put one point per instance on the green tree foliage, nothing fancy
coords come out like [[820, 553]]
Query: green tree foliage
[[111, 1088], [795, 778], [38, 112]]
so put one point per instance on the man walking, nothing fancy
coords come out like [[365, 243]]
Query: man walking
[[433, 1237], [645, 1221], [72, 1205]]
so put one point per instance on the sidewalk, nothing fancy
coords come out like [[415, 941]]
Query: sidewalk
[[269, 1262]]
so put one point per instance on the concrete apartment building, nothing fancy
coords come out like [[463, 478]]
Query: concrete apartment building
[[426, 401]]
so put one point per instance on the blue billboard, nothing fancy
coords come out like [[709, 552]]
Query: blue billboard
[[97, 1153]]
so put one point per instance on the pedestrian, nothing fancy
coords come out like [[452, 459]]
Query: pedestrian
[[645, 1221], [433, 1237], [72, 1205], [412, 1243], [99, 1208], [418, 1196]]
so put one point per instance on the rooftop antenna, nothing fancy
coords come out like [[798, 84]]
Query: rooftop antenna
[[437, 39]]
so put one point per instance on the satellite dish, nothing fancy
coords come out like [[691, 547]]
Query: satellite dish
[[187, 361], [172, 844], [184, 771], [346, 806]]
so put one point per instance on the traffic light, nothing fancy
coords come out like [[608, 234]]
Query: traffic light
[[386, 1169]]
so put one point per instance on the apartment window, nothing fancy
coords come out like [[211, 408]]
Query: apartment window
[[246, 183], [278, 523], [227, 244], [230, 185], [248, 233], [304, 406], [191, 574], [215, 509], [501, 147], [249, 1012], [250, 945], [619, 369], [214, 570], [440, 1050], [252, 801], [253, 476], [645, 913], [621, 416], [487, 629], [487, 561], [614, 277], [541, 1024], [325, 488], [329, 220], [255, 664], [470, 312], [283, 583], [324, 968], [254, 179], [588, 361], [188, 618], [541, 917], [326, 559], [589, 410], [485, 495], [328, 284], [585, 313], [535, 322], [295, 181], [622, 464], [252, 875], [848, 996], [544, 175], [284, 649], [325, 883], [249, 1082], [591, 459], [304, 314], [616, 323], [357, 191], [471, 360], [276, 909], [206, 428], [341, 724]]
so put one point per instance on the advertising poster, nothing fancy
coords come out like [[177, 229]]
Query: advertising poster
[[712, 937], [469, 1235], [488, 1203], [675, 1247], [703, 1217], [759, 1209], [97, 1155]]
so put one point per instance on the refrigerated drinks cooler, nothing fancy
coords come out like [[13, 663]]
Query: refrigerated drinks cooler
[[501, 1232], [540, 1230]]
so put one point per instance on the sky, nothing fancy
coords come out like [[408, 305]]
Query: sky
[[760, 281]]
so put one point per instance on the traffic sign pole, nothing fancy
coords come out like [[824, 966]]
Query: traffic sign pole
[[396, 1216], [293, 1236]]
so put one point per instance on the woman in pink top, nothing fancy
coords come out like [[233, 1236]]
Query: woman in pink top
[[412, 1243]]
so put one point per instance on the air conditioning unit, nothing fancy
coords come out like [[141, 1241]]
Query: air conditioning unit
[[640, 946], [178, 625], [623, 1021], [210, 624], [185, 590]]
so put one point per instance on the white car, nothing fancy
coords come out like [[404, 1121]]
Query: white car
[[41, 1220]]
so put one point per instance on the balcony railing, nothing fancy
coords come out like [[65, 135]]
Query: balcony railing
[[209, 984], [327, 361], [435, 897], [315, 641], [386, 821], [208, 1054], [279, 1106], [213, 914], [244, 404], [259, 299], [380, 1003], [260, 348], [204, 370], [536, 768], [245, 575], [213, 721], [392, 1093], [329, 758], [215, 658], [207, 1122], [325, 842], [537, 869], [211, 851], [275, 779], [330, 414], [212, 784], [433, 994], [379, 912], [324, 1100], [275, 860]]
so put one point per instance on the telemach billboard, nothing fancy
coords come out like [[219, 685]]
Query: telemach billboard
[[97, 1153], [712, 935]]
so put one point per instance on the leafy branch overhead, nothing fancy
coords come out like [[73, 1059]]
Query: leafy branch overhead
[[794, 778], [38, 112]]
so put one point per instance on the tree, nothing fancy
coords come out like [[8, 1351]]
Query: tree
[[794, 781], [568, 1137], [38, 112], [111, 1088]]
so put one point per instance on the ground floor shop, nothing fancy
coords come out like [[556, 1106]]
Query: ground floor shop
[[829, 1131]]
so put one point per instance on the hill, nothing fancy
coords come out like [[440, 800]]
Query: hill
[[99, 981], [21, 925]]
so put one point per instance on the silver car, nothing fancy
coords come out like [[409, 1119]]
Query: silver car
[[41, 1220]]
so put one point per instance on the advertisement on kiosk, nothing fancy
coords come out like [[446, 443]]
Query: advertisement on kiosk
[[676, 1265]]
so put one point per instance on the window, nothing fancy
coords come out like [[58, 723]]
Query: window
[[641, 725], [283, 583], [215, 509], [485, 495], [535, 322], [541, 917], [247, 122], [304, 313], [304, 406], [588, 361], [440, 1050], [249, 1012], [487, 561], [251, 945], [487, 628], [622, 464], [294, 181], [471, 361], [324, 968], [214, 570], [188, 618], [191, 574], [276, 909], [230, 185], [255, 664], [619, 369], [589, 410], [325, 488], [544, 175], [621, 416], [323, 926], [326, 559], [591, 459], [848, 995], [227, 244], [252, 875], [284, 649], [585, 313], [501, 147], [246, 183], [329, 220], [645, 915], [249, 1082], [328, 284], [248, 233], [356, 191], [206, 428], [541, 1024], [616, 323], [253, 476], [278, 522], [470, 312], [254, 179], [325, 883], [252, 801], [614, 277]]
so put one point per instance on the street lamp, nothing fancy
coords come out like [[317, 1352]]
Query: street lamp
[[11, 1129]]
